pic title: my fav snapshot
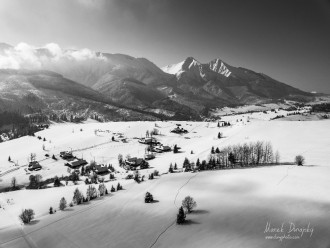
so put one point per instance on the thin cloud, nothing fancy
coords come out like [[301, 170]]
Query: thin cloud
[[29, 57]]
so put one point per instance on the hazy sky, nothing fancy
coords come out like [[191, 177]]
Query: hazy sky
[[288, 40]]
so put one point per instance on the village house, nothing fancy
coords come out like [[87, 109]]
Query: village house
[[161, 148], [34, 166], [179, 129], [148, 141], [101, 169], [221, 123], [66, 155], [76, 163], [136, 163], [149, 156]]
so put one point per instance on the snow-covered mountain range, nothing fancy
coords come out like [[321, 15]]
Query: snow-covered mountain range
[[187, 89]]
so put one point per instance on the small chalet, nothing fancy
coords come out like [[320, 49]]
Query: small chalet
[[136, 163], [221, 123], [161, 148], [34, 166], [179, 129], [149, 156], [66, 155], [166, 148], [101, 169], [76, 163], [148, 141]]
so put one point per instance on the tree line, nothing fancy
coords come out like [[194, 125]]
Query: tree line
[[247, 154], [244, 155]]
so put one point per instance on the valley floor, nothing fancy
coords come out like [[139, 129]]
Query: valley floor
[[233, 206]]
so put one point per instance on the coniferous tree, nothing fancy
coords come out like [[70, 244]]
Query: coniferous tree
[[170, 170], [9, 159], [148, 198], [231, 158], [77, 196], [137, 177], [62, 204], [113, 188], [51, 210], [203, 165], [57, 182], [212, 150], [175, 166], [198, 163], [217, 150], [186, 163], [175, 149], [181, 216]]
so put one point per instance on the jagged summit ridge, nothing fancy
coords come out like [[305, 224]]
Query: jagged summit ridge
[[218, 66], [193, 65]]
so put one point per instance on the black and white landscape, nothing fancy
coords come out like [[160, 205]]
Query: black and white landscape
[[173, 140]]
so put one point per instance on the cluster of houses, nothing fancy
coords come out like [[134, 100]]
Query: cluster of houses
[[75, 163], [154, 146]]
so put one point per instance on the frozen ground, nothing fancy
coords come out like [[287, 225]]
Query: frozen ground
[[233, 209]]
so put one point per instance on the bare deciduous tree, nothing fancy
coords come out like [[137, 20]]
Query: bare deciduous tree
[[189, 203], [299, 160], [32, 157], [13, 183], [277, 157]]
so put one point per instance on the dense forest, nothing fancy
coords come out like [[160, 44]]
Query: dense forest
[[12, 118], [15, 125], [323, 107]]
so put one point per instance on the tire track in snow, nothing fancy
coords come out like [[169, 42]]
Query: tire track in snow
[[292, 167], [178, 192], [92, 206], [161, 234], [174, 202]]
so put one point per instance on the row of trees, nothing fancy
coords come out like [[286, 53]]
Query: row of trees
[[92, 193], [253, 153]]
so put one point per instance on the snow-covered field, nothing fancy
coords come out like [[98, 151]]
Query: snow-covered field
[[233, 209]]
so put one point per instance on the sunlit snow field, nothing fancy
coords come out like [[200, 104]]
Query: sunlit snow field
[[233, 206]]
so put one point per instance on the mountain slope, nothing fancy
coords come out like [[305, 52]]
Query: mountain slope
[[187, 89], [50, 93], [217, 83]]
